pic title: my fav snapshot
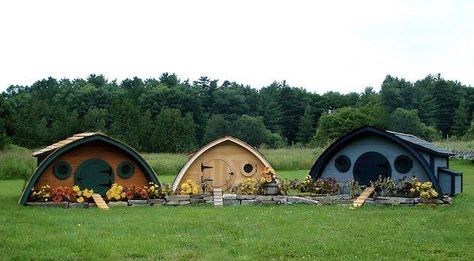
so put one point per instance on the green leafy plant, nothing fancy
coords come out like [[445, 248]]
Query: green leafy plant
[[249, 186], [327, 186]]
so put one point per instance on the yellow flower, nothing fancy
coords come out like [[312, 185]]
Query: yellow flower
[[195, 190], [76, 189], [268, 178], [80, 199]]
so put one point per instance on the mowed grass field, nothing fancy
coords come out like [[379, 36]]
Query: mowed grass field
[[239, 233]]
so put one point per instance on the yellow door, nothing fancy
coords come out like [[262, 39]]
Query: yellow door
[[218, 172]]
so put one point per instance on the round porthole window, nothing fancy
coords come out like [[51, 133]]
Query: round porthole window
[[62, 170], [403, 164], [248, 169], [125, 170], [343, 163]]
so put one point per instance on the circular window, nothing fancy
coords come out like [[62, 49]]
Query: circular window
[[248, 169], [62, 170], [125, 170], [403, 164], [343, 163]]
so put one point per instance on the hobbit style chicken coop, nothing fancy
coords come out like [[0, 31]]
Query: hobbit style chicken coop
[[222, 163], [89, 161], [365, 154]]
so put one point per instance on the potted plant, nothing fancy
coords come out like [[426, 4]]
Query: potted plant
[[269, 182]]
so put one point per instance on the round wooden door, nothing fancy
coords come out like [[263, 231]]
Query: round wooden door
[[94, 174], [217, 171], [369, 166]]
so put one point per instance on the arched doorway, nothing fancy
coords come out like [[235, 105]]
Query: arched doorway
[[369, 166], [94, 174], [218, 172]]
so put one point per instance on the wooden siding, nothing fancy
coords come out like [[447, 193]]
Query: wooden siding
[[386, 147], [94, 149], [236, 157]]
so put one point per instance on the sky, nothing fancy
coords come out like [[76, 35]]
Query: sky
[[322, 46]]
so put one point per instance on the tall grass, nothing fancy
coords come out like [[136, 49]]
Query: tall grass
[[456, 145], [165, 164], [292, 158], [16, 163]]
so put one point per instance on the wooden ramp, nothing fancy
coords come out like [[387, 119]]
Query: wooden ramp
[[363, 197], [218, 200], [99, 201]]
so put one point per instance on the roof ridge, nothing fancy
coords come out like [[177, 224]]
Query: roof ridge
[[64, 142]]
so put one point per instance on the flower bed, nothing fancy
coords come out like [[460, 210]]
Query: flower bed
[[265, 191], [237, 200]]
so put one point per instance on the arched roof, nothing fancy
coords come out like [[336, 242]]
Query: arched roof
[[211, 145], [326, 156], [61, 147]]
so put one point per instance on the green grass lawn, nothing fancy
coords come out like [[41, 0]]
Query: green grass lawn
[[244, 232]]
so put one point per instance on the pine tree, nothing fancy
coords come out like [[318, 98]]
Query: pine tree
[[306, 128], [426, 105], [461, 119]]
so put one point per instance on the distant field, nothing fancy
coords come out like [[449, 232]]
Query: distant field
[[457, 145], [243, 233], [16, 162]]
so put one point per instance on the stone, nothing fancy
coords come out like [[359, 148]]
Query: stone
[[333, 199], [177, 197], [156, 201], [280, 199], [231, 202], [208, 198], [417, 200], [294, 199], [248, 202], [386, 201], [229, 196], [197, 200], [48, 204], [245, 197], [137, 202], [197, 197], [79, 205], [263, 198], [447, 200], [177, 203], [400, 200], [117, 204]]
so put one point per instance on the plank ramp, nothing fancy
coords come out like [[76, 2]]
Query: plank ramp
[[363, 197], [99, 201], [218, 200]]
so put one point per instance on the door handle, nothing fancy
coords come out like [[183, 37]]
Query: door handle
[[108, 171], [203, 167]]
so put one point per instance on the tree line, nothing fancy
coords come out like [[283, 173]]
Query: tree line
[[173, 115]]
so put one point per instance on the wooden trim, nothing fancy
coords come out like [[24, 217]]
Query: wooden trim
[[148, 171], [326, 156], [212, 144]]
